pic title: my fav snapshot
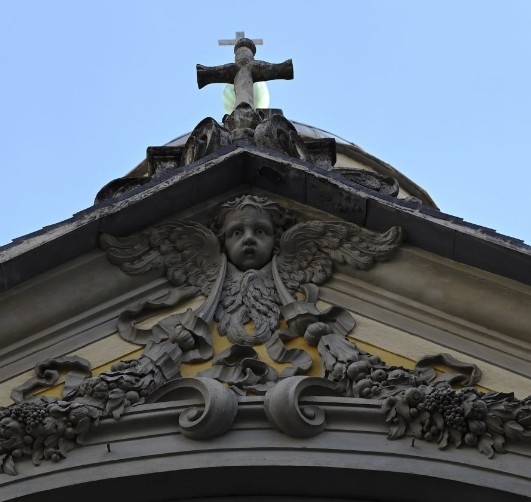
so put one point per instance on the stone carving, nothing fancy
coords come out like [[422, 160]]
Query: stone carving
[[245, 124], [253, 267], [386, 185], [252, 126], [447, 416], [265, 264], [42, 428], [278, 133], [219, 410], [244, 72], [120, 186], [207, 137], [283, 411]]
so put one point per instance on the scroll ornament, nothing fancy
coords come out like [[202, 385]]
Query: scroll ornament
[[256, 267]]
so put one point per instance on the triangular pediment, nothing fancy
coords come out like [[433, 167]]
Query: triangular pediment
[[237, 169], [393, 319], [240, 316]]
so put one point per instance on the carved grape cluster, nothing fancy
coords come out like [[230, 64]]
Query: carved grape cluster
[[449, 403], [468, 416], [27, 415], [44, 428]]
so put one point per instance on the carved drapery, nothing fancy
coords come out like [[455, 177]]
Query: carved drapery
[[219, 265]]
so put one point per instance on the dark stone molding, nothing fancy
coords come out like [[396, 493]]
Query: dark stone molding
[[234, 167], [150, 460]]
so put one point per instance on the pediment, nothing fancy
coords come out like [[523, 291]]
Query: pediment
[[357, 310], [244, 318], [236, 169]]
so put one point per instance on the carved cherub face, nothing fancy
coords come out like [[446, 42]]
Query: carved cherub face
[[249, 237]]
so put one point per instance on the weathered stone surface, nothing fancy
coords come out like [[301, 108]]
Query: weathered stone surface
[[374, 181], [244, 72]]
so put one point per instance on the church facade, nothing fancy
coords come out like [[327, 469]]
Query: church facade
[[260, 311]]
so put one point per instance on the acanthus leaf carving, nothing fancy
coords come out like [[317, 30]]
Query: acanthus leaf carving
[[206, 138], [250, 268]]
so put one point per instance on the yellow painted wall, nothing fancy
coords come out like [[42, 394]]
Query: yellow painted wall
[[392, 346]]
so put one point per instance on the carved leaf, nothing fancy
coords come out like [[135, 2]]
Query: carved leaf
[[524, 417], [455, 437], [498, 396], [443, 439], [438, 420], [308, 250], [398, 429], [66, 445], [38, 451], [115, 403], [501, 411], [513, 430], [494, 424], [82, 426], [389, 409], [402, 409], [187, 251], [390, 414], [499, 443], [467, 407], [485, 445], [51, 441], [8, 466]]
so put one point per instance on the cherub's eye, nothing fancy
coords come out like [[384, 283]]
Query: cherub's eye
[[260, 231], [236, 233]]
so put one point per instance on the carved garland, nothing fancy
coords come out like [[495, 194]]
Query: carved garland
[[255, 261]]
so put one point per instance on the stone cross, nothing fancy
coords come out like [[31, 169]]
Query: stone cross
[[240, 34], [244, 72]]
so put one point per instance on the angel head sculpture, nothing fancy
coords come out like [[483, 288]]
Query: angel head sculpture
[[248, 232], [268, 260], [247, 227]]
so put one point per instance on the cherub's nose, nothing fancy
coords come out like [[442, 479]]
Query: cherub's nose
[[249, 238]]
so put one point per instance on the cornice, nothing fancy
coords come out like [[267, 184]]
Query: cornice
[[229, 170], [145, 456]]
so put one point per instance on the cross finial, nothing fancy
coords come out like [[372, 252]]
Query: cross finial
[[244, 72], [239, 34]]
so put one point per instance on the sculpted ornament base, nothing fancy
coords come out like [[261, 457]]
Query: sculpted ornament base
[[250, 267]]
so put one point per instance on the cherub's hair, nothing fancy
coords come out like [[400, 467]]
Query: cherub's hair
[[280, 218], [260, 203]]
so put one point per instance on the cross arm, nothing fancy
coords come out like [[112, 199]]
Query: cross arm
[[222, 74], [272, 71]]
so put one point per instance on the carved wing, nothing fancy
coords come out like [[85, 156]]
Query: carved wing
[[308, 250], [187, 251]]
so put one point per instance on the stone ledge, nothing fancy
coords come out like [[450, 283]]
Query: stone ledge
[[352, 453]]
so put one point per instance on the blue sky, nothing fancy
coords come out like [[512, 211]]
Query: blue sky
[[441, 90]]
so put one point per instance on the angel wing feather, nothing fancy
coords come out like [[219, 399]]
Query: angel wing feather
[[187, 251], [309, 250]]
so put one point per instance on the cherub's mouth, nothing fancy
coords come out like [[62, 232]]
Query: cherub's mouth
[[249, 251]]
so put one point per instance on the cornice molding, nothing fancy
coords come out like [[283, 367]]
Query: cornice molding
[[230, 170], [126, 458]]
